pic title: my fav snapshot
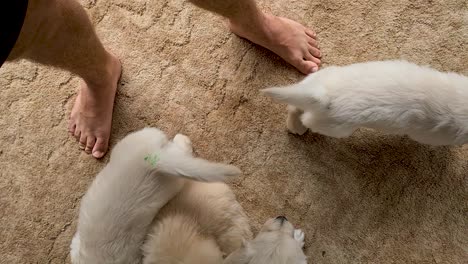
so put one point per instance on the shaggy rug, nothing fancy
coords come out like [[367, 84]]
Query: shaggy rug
[[370, 198]]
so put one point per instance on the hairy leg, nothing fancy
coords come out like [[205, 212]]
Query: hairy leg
[[59, 33]]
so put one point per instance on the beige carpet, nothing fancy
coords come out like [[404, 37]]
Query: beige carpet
[[371, 198]]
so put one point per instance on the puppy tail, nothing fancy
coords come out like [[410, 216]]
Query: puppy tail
[[299, 95], [197, 169]]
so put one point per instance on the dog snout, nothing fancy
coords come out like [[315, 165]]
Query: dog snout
[[282, 219]]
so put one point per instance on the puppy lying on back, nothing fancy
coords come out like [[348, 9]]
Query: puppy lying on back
[[393, 96], [201, 224], [277, 243], [145, 171]]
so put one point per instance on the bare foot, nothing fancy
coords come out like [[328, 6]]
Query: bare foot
[[91, 116], [290, 40]]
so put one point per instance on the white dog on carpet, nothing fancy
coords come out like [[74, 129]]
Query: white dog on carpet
[[393, 96], [144, 173], [139, 209]]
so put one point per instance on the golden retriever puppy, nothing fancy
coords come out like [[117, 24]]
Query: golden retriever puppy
[[203, 223], [277, 243], [146, 170]]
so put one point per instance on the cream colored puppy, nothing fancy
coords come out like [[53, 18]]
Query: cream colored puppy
[[277, 243], [393, 96], [145, 171], [201, 224]]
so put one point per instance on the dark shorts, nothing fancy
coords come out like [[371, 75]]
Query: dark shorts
[[12, 14]]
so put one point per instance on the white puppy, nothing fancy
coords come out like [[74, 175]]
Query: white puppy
[[277, 243], [393, 96], [144, 172]]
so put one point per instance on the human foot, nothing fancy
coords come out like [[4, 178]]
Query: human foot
[[290, 40], [91, 116]]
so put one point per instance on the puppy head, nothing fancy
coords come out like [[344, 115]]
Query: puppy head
[[275, 244], [279, 225]]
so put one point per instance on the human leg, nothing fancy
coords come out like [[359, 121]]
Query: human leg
[[59, 33]]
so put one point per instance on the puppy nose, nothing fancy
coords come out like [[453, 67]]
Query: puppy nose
[[281, 218]]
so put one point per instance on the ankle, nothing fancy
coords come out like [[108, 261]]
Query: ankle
[[103, 76], [252, 19]]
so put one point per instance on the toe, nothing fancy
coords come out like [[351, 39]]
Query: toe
[[71, 128], [307, 67], [100, 148], [90, 141], [311, 58], [77, 134], [315, 52], [82, 141], [312, 43], [310, 33]]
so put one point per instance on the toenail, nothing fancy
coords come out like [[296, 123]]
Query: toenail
[[98, 154], [82, 146], [314, 69]]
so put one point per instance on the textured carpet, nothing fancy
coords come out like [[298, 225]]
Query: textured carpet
[[371, 198]]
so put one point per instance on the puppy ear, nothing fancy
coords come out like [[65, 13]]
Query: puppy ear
[[297, 94], [196, 168]]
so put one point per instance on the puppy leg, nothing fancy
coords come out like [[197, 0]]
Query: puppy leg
[[294, 122], [236, 228], [233, 238], [299, 236], [183, 142], [323, 125]]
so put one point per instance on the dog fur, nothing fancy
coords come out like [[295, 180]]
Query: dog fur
[[277, 243], [202, 224], [396, 97], [117, 211]]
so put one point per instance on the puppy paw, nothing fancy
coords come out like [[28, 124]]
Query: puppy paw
[[183, 142], [299, 236], [296, 128], [295, 125], [293, 122]]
